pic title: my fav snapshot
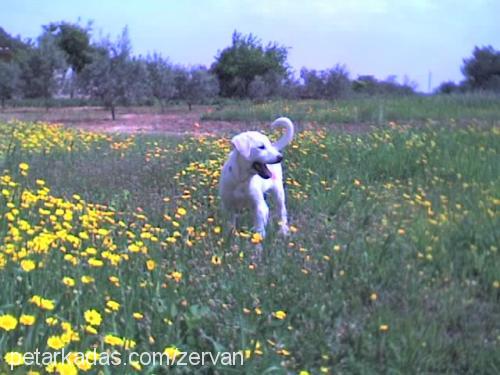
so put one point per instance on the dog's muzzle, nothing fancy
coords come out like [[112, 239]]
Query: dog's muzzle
[[262, 169]]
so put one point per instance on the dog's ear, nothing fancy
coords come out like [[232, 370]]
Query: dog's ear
[[242, 144]]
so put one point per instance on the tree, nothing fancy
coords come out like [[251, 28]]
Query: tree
[[10, 46], [74, 40], [195, 85], [113, 76], [369, 85], [9, 77], [162, 79], [482, 70], [366, 84], [313, 85], [331, 83], [238, 65], [336, 82], [448, 87], [41, 68]]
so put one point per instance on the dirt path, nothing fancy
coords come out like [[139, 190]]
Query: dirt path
[[142, 120]]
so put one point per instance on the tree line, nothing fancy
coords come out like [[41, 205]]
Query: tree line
[[64, 62]]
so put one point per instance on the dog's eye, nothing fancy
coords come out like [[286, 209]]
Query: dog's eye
[[262, 147]]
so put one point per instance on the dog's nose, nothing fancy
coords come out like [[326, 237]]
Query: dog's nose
[[279, 158]]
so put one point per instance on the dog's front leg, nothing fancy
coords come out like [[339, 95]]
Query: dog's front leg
[[261, 217], [233, 221], [279, 195]]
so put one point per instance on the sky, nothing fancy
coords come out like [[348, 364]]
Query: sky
[[406, 38]]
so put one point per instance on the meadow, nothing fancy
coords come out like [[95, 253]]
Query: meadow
[[463, 108], [117, 242]]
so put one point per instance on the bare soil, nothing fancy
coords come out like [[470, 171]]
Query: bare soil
[[142, 120]]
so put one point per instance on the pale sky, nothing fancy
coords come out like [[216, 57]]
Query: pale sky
[[379, 37]]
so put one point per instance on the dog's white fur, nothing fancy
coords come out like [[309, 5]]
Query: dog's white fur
[[243, 181]]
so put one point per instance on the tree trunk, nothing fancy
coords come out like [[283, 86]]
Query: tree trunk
[[189, 105], [113, 112]]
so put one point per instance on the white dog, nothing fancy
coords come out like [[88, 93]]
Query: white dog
[[252, 169]]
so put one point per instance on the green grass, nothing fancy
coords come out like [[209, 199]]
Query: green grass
[[373, 110], [393, 267]]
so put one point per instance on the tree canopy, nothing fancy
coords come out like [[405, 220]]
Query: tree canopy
[[239, 64], [482, 70]]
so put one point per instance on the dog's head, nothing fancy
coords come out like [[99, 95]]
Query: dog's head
[[258, 151]]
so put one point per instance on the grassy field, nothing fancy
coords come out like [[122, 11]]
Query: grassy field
[[374, 110], [392, 266]]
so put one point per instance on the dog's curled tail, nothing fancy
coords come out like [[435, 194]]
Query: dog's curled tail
[[287, 137]]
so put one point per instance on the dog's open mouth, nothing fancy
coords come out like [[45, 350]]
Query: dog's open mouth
[[262, 170]]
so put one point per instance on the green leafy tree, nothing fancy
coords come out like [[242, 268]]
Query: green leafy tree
[[42, 67], [195, 85], [9, 78], [10, 47], [74, 40], [448, 87], [326, 84], [482, 70], [237, 66], [161, 79], [113, 76], [337, 82]]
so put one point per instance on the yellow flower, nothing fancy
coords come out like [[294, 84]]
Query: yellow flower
[[256, 238], [134, 248], [171, 352], [216, 260], [181, 211], [93, 317], [14, 358], [51, 321], [113, 305], [102, 231], [82, 363], [129, 344], [28, 265], [56, 342], [374, 296], [304, 372], [136, 365], [137, 315], [176, 275], [95, 262], [87, 279], [27, 320], [91, 330], [383, 328], [280, 314], [217, 229], [92, 356], [68, 281], [8, 322], [66, 368], [150, 265], [113, 340], [43, 303], [24, 167]]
